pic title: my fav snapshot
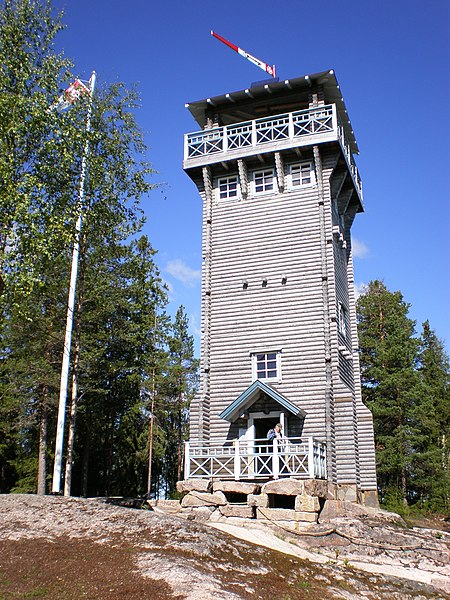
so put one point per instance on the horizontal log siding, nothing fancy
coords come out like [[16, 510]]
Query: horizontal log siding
[[199, 413], [365, 432], [345, 420], [267, 237]]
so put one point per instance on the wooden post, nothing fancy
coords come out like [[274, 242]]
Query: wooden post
[[291, 126], [186, 147], [254, 136], [311, 458], [334, 120], [187, 461], [237, 461], [275, 460], [224, 139]]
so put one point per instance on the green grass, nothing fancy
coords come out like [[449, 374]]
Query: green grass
[[38, 592]]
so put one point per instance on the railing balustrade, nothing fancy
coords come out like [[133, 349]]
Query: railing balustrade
[[256, 459], [349, 157], [312, 122]]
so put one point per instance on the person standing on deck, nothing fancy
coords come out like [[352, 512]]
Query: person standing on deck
[[276, 432]]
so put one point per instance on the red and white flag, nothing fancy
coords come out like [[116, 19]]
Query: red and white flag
[[71, 95], [270, 69]]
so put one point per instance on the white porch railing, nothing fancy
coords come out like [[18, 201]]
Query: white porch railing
[[311, 125], [256, 459]]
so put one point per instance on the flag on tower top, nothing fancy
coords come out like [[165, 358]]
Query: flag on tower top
[[259, 63]]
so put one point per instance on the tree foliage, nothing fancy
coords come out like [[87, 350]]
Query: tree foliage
[[31, 140], [176, 391], [398, 374], [123, 342]]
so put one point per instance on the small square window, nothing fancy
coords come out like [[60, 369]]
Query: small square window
[[267, 366], [228, 187], [300, 175], [342, 320], [264, 181]]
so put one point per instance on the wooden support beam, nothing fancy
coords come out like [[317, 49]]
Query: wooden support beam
[[279, 164], [337, 181], [344, 198], [243, 176]]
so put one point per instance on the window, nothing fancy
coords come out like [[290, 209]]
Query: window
[[228, 187], [300, 175], [263, 181], [342, 320], [266, 366]]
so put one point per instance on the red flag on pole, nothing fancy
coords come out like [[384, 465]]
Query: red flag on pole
[[259, 63], [71, 95]]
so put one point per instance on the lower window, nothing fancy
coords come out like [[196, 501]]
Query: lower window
[[266, 365]]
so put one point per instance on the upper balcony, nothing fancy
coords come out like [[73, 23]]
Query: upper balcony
[[269, 134]]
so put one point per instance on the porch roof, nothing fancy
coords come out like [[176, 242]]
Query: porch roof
[[248, 397]]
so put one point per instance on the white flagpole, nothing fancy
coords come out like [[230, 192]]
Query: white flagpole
[[56, 485]]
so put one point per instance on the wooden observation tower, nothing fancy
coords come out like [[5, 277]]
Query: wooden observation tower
[[280, 188]]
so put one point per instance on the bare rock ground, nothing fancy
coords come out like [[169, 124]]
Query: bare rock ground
[[70, 548]]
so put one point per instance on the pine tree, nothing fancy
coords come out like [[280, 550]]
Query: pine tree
[[118, 345], [178, 388], [391, 387], [39, 206], [30, 360], [433, 461]]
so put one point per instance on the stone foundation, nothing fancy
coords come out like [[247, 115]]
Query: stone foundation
[[282, 501], [290, 503]]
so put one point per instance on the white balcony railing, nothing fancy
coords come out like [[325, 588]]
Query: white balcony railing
[[349, 158], [256, 459], [289, 126], [297, 128]]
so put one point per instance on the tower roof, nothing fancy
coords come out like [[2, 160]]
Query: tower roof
[[271, 98]]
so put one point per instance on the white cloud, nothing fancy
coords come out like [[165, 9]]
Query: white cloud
[[360, 250], [181, 271], [194, 323], [360, 288]]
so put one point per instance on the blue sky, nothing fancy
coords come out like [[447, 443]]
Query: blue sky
[[391, 60]]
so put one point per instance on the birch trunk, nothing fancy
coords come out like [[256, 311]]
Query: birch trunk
[[72, 422], [42, 457]]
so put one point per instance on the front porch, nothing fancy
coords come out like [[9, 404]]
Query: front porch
[[256, 459]]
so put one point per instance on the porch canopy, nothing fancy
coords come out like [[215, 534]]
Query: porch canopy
[[251, 394]]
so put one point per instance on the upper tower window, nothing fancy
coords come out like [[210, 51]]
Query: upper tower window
[[264, 181], [228, 187], [300, 175]]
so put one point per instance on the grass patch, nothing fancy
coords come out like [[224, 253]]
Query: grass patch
[[39, 592]]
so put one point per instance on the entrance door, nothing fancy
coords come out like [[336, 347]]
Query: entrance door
[[262, 426], [264, 447]]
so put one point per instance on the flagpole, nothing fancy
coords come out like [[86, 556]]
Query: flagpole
[[56, 484]]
